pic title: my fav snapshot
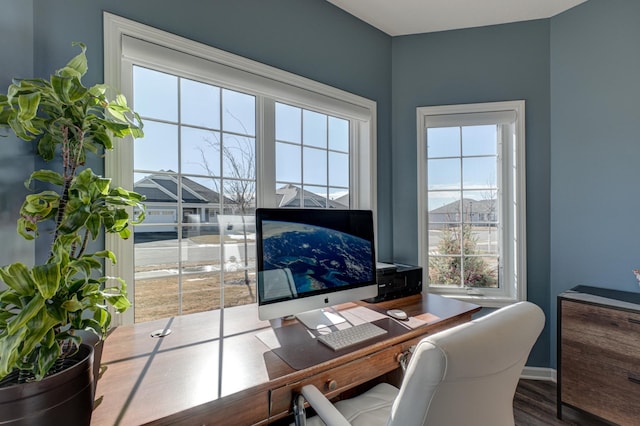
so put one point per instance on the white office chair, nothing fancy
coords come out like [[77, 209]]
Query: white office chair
[[466, 375]]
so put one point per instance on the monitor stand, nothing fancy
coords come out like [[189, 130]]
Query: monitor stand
[[319, 318]]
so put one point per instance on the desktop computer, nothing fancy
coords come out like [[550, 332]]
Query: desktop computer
[[396, 280]]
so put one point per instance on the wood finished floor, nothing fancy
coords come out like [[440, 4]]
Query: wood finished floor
[[535, 405]]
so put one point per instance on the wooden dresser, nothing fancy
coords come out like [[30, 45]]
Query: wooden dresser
[[599, 353]]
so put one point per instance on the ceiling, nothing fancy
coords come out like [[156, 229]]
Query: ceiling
[[402, 17]]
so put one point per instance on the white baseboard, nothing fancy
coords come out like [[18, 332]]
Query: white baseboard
[[539, 373]]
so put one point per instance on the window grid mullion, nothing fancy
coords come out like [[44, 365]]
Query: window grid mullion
[[462, 212], [179, 215]]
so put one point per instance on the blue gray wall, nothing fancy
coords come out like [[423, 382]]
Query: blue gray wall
[[578, 73], [16, 156], [496, 63], [595, 134]]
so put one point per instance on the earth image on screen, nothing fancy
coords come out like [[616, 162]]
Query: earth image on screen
[[318, 257]]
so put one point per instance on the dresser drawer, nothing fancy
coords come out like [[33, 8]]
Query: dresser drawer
[[600, 361], [614, 332], [607, 389], [337, 380]]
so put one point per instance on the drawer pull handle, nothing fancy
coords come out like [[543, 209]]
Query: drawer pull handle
[[633, 321], [634, 379]]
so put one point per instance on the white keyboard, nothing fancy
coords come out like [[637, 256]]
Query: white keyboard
[[346, 337]]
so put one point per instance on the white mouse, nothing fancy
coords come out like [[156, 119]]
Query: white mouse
[[398, 314]]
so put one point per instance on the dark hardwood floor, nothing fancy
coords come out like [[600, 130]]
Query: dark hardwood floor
[[535, 405]]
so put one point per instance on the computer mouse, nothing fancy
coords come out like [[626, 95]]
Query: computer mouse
[[398, 314]]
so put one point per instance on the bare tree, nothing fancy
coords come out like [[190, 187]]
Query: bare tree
[[236, 182]]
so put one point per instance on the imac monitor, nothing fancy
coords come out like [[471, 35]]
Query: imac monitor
[[310, 259]]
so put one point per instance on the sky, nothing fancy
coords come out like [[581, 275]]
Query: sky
[[186, 120]]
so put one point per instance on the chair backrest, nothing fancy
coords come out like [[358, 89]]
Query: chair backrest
[[467, 375]]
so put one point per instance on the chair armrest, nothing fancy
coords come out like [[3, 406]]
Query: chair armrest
[[323, 407]]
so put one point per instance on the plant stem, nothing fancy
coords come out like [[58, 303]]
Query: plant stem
[[70, 164], [85, 240]]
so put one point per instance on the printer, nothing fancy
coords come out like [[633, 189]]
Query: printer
[[396, 280]]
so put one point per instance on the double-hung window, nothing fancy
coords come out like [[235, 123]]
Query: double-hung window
[[471, 193], [223, 135]]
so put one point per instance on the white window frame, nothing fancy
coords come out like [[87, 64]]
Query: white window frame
[[513, 273], [127, 42]]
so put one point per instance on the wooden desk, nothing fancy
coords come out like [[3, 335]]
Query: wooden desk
[[192, 376]]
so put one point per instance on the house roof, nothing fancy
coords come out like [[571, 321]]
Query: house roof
[[163, 188], [468, 204], [289, 196]]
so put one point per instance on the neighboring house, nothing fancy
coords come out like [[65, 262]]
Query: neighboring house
[[200, 205], [478, 212], [290, 196]]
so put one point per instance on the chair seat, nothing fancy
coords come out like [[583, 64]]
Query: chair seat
[[371, 408]]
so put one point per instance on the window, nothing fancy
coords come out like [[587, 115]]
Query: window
[[312, 158], [472, 201], [223, 135]]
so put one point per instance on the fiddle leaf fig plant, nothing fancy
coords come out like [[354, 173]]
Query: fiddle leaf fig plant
[[43, 306]]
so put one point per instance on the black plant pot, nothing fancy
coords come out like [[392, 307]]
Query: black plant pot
[[62, 398], [92, 339]]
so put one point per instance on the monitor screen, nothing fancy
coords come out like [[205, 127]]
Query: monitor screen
[[308, 259]]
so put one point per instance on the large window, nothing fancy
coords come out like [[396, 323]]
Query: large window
[[471, 191], [223, 135]]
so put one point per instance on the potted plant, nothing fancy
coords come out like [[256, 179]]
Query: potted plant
[[44, 308]]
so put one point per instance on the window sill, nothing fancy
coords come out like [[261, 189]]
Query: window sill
[[484, 301]]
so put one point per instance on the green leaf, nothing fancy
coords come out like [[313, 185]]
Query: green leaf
[[27, 229], [106, 254], [47, 278], [49, 339], [117, 296], [18, 277], [91, 289], [75, 220], [47, 147], [72, 305], [103, 138], [97, 326], [76, 91], [9, 348], [35, 306], [98, 90], [61, 85], [40, 204], [56, 313], [28, 104], [78, 65], [38, 328], [47, 357], [5, 115], [102, 185], [85, 264], [10, 298], [45, 175], [93, 225], [19, 129], [125, 233], [120, 303]]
